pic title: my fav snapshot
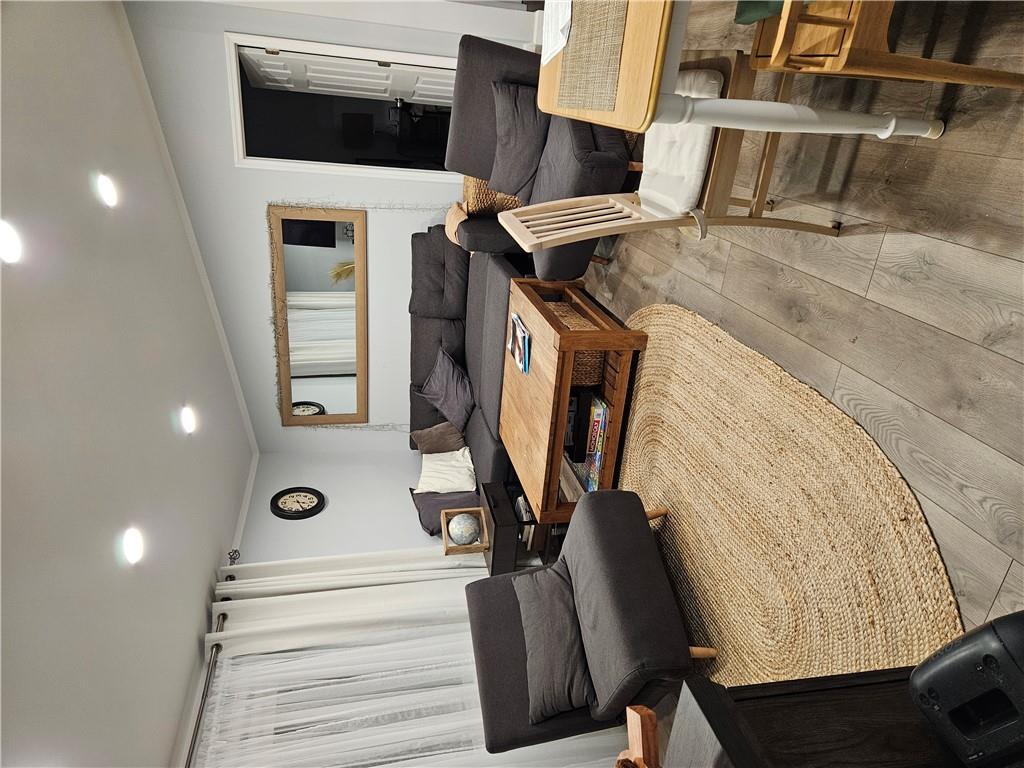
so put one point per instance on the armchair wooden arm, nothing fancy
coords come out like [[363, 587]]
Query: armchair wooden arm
[[642, 728]]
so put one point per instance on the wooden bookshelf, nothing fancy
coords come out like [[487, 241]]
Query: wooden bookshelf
[[535, 405]]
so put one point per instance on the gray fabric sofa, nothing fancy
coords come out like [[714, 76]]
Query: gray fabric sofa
[[635, 644], [461, 304], [577, 159]]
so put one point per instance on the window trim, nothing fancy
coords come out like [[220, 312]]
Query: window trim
[[234, 40]]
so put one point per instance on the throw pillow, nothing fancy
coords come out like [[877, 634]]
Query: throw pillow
[[442, 438], [455, 216], [556, 665], [447, 472], [522, 132], [481, 200], [447, 388], [430, 504]]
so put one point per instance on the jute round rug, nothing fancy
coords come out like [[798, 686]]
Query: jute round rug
[[794, 545]]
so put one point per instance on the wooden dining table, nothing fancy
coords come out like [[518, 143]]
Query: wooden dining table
[[653, 34]]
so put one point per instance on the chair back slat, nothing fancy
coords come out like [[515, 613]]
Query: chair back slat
[[583, 220]]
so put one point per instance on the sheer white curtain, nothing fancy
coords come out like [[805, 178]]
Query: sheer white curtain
[[361, 660]]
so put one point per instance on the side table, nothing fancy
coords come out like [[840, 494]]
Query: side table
[[535, 405]]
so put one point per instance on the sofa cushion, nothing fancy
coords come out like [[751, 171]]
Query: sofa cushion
[[476, 303], [579, 159], [556, 667], [472, 130], [486, 319], [440, 270], [485, 233], [621, 590], [448, 389], [429, 334], [499, 650], [429, 506], [440, 438], [421, 414], [489, 457], [522, 131], [564, 262]]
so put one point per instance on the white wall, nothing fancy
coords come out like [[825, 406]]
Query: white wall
[[106, 331], [366, 510], [308, 267], [183, 50]]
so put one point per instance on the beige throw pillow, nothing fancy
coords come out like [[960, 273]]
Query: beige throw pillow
[[447, 472], [482, 200]]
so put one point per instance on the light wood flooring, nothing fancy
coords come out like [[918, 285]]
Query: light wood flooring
[[912, 321]]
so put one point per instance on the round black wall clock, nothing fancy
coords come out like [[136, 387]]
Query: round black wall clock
[[297, 503], [307, 408]]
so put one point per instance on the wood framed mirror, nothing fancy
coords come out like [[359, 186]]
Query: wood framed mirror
[[318, 280]]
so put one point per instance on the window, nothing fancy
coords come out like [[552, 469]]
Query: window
[[314, 103]]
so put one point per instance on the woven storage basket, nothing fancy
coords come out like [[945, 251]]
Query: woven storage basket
[[587, 367]]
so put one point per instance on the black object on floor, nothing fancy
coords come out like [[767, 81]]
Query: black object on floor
[[972, 692]]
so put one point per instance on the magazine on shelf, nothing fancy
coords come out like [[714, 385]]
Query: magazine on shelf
[[519, 344]]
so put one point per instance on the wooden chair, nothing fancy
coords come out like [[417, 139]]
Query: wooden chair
[[664, 202], [850, 39]]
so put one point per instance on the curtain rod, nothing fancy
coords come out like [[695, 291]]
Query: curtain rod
[[210, 666]]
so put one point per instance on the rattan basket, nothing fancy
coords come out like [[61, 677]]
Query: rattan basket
[[587, 367]]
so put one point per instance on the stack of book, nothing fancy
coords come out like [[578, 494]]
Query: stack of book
[[586, 449]]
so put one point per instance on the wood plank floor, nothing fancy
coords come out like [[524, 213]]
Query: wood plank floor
[[912, 321]]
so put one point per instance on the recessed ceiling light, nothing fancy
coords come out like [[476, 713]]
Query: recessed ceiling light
[[188, 419], [107, 190], [10, 243], [132, 545]]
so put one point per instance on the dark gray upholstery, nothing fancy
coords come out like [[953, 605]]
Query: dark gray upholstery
[[485, 233], [578, 158], [556, 666], [440, 270], [421, 414], [490, 461], [472, 136], [500, 652], [428, 335], [448, 389], [622, 591], [476, 308], [434, 319], [633, 634], [522, 131], [429, 506], [487, 385]]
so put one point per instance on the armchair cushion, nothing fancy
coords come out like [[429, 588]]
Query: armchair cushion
[[630, 624], [472, 134], [522, 130], [499, 650], [485, 233], [556, 668]]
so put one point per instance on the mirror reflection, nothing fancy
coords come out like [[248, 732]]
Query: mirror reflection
[[319, 283]]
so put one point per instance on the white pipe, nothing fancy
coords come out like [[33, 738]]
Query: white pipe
[[773, 117]]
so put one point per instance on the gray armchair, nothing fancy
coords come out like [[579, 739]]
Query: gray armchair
[[578, 158], [632, 633]]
